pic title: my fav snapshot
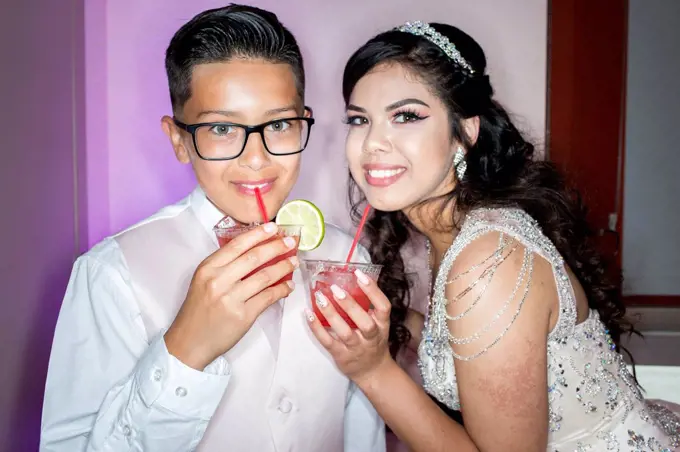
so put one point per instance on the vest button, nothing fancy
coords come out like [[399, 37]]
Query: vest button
[[285, 406], [180, 391]]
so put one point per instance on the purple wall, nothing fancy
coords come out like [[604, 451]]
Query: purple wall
[[96, 131], [42, 59]]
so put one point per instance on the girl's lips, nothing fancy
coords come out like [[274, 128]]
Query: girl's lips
[[383, 175]]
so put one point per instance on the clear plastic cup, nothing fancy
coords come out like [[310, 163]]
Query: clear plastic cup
[[227, 234], [319, 275]]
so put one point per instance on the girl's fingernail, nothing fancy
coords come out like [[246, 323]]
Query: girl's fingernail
[[321, 300], [338, 292], [309, 315], [361, 277]]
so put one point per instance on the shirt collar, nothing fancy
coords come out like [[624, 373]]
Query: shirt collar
[[207, 213]]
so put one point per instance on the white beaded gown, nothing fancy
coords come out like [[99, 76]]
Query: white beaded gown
[[594, 403]]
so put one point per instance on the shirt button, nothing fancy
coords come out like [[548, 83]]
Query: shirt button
[[180, 391], [126, 430], [285, 406], [157, 375]]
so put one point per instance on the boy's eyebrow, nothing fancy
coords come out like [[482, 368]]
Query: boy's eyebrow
[[218, 112], [276, 111], [231, 113]]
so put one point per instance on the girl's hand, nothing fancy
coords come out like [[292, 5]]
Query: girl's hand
[[359, 352]]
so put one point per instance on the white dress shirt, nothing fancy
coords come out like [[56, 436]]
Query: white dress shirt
[[113, 386]]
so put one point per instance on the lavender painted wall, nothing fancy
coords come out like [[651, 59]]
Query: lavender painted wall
[[96, 132], [142, 175], [40, 48]]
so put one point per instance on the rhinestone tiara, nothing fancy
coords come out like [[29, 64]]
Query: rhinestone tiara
[[423, 29]]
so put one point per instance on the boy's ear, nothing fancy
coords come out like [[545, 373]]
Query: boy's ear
[[174, 133]]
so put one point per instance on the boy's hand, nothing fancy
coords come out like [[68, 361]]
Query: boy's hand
[[220, 307]]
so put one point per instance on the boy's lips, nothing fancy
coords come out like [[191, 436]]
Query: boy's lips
[[247, 187]]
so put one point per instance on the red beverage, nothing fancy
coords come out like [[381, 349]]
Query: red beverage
[[345, 280], [225, 236], [320, 275]]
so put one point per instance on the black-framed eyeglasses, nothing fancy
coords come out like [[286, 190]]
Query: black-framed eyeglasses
[[227, 140]]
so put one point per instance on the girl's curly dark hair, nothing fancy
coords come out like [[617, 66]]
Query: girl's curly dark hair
[[501, 172]]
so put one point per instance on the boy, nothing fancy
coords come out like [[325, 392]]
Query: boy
[[162, 344]]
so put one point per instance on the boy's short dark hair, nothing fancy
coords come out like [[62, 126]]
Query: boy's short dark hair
[[221, 34]]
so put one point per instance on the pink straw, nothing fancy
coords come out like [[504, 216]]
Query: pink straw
[[358, 233], [260, 204]]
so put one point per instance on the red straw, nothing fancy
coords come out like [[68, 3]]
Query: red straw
[[358, 233], [260, 204]]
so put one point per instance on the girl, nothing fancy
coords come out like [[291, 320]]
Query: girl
[[523, 329]]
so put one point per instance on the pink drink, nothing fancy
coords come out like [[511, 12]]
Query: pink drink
[[226, 235], [320, 275]]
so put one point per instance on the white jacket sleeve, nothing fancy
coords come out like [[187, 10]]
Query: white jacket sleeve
[[108, 388], [364, 428]]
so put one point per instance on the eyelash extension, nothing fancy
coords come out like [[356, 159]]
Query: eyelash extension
[[410, 115]]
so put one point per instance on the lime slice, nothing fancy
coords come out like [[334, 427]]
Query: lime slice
[[306, 214]]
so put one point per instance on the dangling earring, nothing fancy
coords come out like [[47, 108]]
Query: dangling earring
[[459, 163]]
